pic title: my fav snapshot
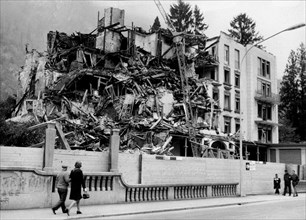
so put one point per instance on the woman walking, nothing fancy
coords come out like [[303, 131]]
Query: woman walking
[[77, 182]]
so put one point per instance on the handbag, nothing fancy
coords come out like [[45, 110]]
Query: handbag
[[86, 195]]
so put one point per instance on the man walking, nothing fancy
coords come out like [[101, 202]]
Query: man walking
[[62, 188], [295, 182], [287, 182]]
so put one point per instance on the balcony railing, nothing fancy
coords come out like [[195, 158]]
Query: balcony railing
[[267, 97]]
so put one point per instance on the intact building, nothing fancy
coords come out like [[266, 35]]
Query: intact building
[[245, 85]]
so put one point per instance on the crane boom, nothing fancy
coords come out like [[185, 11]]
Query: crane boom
[[179, 42], [165, 16]]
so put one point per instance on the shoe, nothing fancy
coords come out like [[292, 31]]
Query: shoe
[[67, 211], [53, 210], [79, 212]]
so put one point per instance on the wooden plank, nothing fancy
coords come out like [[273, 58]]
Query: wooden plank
[[84, 97], [44, 124], [61, 135]]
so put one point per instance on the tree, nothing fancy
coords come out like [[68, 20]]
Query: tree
[[286, 132], [243, 30], [293, 91], [156, 25], [181, 16], [198, 23]]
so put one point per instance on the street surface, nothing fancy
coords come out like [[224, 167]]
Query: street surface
[[288, 209]]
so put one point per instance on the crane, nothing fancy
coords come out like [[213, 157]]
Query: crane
[[179, 41], [165, 16]]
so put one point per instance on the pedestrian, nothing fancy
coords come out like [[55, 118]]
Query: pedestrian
[[62, 179], [277, 185], [295, 182], [77, 182], [287, 183]]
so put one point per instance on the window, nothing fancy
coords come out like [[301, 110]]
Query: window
[[215, 94], [227, 101], [227, 78], [213, 74], [264, 134], [226, 55], [264, 111], [263, 68], [237, 59], [237, 80], [227, 125], [213, 51], [264, 88], [237, 104], [237, 125]]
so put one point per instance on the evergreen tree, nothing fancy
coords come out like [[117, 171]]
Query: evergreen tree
[[293, 91], [181, 16], [198, 23], [286, 132], [156, 25], [243, 30]]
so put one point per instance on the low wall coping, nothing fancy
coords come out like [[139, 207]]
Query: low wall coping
[[53, 173], [175, 185], [44, 173]]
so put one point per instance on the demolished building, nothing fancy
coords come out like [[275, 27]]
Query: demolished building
[[129, 79]]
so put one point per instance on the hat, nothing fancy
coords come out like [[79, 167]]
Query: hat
[[64, 166]]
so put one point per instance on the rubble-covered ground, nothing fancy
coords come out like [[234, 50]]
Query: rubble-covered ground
[[88, 91]]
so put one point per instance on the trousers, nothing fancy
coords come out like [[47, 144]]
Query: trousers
[[294, 189], [61, 203], [289, 189]]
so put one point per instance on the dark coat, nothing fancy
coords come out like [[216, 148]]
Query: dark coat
[[277, 182], [77, 182], [287, 178], [295, 179]]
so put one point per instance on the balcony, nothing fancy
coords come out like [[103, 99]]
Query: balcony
[[267, 123], [271, 98], [207, 60]]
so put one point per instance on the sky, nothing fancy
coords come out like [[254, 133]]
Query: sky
[[270, 17]]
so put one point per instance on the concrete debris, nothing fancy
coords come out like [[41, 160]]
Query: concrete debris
[[121, 78]]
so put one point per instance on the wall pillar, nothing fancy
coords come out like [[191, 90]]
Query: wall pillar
[[303, 156], [114, 150], [257, 152], [49, 147], [268, 155], [277, 156], [170, 193], [209, 191]]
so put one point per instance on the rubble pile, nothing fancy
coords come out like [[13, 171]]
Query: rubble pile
[[88, 91]]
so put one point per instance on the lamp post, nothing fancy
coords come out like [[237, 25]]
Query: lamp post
[[242, 193], [297, 26]]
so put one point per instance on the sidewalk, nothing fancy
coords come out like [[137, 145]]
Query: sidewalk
[[140, 208]]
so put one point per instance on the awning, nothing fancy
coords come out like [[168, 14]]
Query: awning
[[270, 123]]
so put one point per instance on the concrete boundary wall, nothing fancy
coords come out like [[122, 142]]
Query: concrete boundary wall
[[91, 161], [19, 187], [22, 189], [258, 180], [151, 169], [188, 169], [22, 157]]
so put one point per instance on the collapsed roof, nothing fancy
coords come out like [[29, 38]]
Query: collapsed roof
[[122, 78]]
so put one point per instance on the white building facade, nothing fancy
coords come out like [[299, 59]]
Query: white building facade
[[245, 85]]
